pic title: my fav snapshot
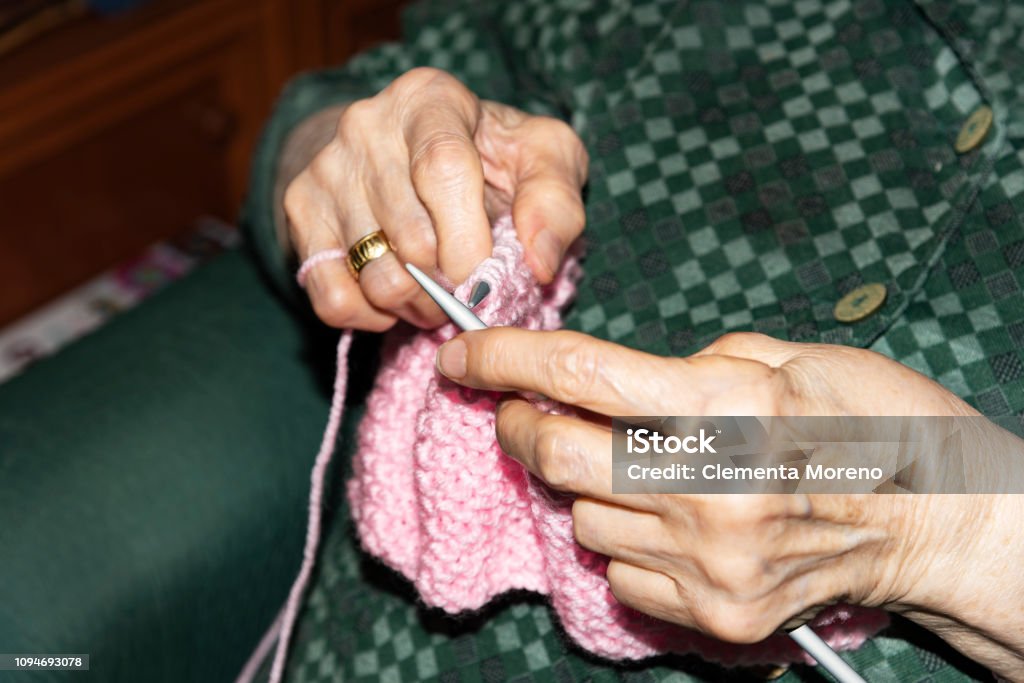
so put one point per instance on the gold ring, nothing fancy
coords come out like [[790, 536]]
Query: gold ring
[[369, 248]]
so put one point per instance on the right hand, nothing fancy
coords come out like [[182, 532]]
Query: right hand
[[741, 566], [431, 165]]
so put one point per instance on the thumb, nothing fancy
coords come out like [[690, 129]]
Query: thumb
[[568, 367], [547, 206]]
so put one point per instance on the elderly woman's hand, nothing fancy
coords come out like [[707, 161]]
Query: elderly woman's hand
[[740, 567], [430, 165]]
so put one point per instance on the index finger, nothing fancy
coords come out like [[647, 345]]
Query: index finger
[[566, 453], [448, 178], [569, 367]]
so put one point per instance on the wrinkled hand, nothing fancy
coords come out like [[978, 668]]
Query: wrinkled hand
[[738, 567], [431, 165]]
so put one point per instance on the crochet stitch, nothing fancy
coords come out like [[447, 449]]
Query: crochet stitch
[[434, 497]]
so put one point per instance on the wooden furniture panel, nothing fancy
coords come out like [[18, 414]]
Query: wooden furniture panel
[[118, 132], [356, 25], [97, 202]]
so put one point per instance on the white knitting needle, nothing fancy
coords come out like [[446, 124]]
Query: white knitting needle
[[455, 309], [462, 316], [824, 655]]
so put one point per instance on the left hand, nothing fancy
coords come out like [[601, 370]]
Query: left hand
[[737, 567], [430, 165]]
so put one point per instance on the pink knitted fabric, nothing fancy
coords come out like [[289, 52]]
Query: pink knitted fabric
[[435, 498]]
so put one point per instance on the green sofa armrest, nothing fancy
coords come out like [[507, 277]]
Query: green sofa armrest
[[153, 483]]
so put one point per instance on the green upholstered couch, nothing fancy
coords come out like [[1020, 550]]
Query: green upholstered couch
[[153, 479]]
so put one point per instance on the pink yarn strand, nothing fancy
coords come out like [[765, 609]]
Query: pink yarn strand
[[261, 651], [316, 493], [316, 259]]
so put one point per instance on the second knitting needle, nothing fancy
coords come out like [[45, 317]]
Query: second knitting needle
[[453, 308]]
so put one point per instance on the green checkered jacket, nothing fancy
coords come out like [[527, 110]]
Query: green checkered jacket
[[751, 164]]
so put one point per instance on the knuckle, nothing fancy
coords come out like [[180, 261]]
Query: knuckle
[[569, 140], [789, 386], [417, 242], [735, 342], [422, 76], [742, 512], [553, 457], [420, 89], [335, 306], [730, 621], [564, 196], [738, 575], [748, 519], [355, 120], [385, 286], [617, 582], [487, 355], [582, 522], [775, 394], [557, 128], [443, 156], [505, 426], [713, 566], [576, 214], [321, 170], [294, 200], [574, 369], [438, 83]]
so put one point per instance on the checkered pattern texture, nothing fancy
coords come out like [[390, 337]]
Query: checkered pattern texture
[[752, 162]]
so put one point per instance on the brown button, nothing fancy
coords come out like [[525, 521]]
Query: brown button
[[860, 303], [974, 130]]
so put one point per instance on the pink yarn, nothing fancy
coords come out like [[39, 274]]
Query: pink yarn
[[285, 622], [316, 259], [434, 497]]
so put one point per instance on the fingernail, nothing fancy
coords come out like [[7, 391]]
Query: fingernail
[[451, 359], [549, 250]]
